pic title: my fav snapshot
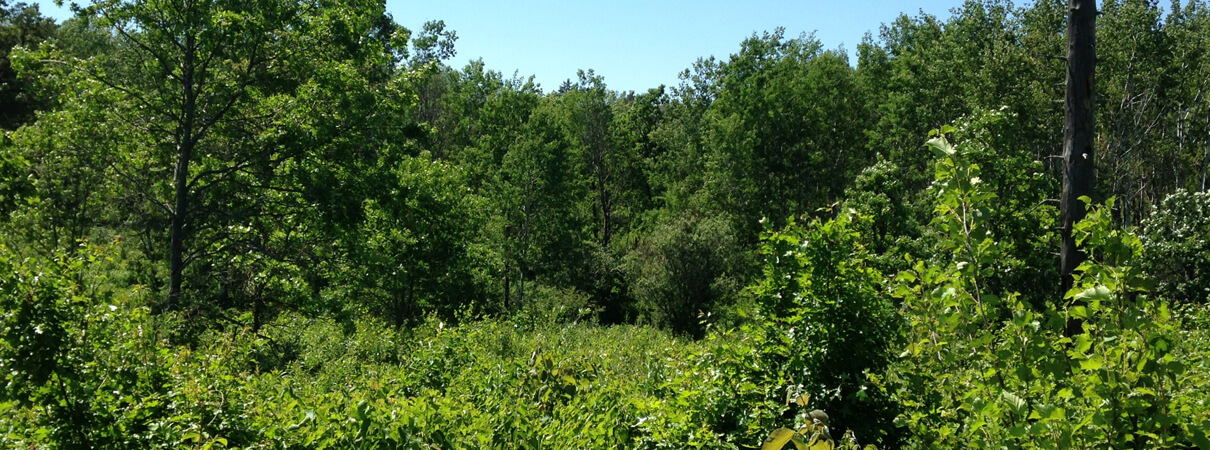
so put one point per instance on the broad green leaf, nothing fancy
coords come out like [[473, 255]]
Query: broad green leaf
[[1198, 434], [940, 147], [819, 441], [1015, 402], [1097, 293], [1092, 363]]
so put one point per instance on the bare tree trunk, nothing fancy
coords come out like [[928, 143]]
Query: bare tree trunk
[[1079, 129]]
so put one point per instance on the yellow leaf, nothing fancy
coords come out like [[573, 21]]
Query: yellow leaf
[[778, 439], [821, 444], [802, 400], [822, 440]]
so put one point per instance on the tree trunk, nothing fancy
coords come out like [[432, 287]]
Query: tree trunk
[[606, 200], [507, 274], [258, 310], [184, 153], [1205, 164], [176, 251], [1079, 129]]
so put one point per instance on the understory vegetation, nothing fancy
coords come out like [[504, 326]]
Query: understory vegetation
[[265, 224]]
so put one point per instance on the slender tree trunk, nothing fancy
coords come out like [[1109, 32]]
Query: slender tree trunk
[[507, 274], [1079, 129], [184, 153], [176, 250], [258, 309], [606, 199], [1205, 164], [397, 310], [521, 286]]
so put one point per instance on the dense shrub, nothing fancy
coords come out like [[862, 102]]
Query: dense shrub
[[85, 364], [824, 321], [686, 267], [984, 370], [1176, 247]]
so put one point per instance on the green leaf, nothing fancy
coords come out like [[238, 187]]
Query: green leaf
[[940, 147], [1198, 435], [1097, 293], [1015, 402], [1092, 363]]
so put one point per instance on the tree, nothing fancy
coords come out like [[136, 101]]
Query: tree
[[537, 193], [1186, 27], [1079, 131], [1137, 156], [589, 120], [189, 66], [207, 92], [413, 252], [684, 267], [780, 128], [21, 24]]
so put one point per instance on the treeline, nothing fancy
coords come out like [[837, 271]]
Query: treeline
[[316, 156], [292, 224]]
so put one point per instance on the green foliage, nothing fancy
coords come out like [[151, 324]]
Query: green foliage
[[549, 306], [779, 120], [683, 270], [375, 250], [892, 230], [413, 252], [81, 356], [813, 434], [21, 25], [984, 370], [1176, 247], [921, 72], [822, 320]]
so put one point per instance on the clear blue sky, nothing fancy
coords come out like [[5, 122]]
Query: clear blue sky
[[633, 44]]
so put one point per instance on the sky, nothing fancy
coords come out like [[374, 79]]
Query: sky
[[634, 44]]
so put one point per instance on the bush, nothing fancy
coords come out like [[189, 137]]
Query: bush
[[823, 320], [1176, 247], [983, 370], [685, 269]]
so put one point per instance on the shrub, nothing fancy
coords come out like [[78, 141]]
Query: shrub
[[823, 320], [981, 370], [684, 269], [1176, 247]]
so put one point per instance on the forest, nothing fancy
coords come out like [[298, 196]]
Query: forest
[[292, 224]]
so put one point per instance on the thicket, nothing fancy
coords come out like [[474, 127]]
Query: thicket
[[292, 225]]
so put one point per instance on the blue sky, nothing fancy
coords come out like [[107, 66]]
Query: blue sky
[[633, 44]]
